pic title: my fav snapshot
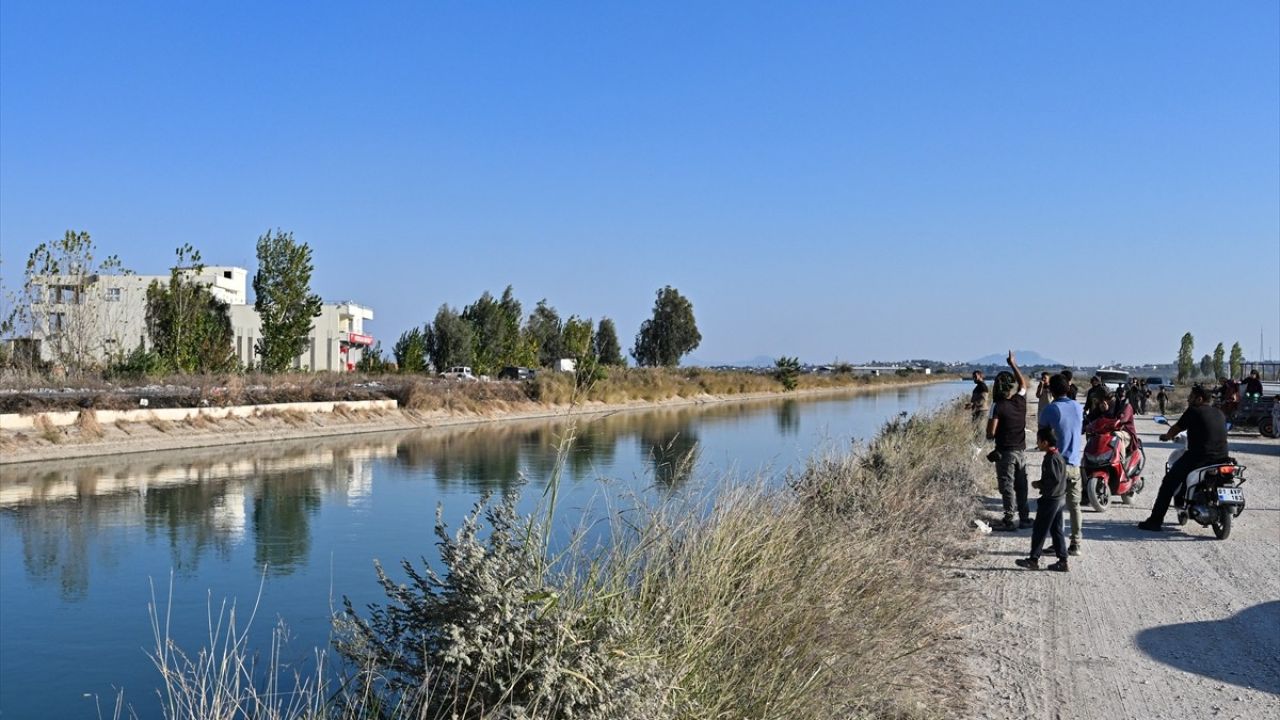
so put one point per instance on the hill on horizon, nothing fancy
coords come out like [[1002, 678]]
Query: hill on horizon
[[1025, 358]]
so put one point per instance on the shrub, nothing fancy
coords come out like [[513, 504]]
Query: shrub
[[491, 637]]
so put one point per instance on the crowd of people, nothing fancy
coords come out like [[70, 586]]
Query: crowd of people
[[1061, 423]]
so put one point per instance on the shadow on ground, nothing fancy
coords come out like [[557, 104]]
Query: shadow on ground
[[1240, 650]]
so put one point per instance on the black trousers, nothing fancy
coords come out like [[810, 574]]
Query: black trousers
[[1173, 481], [1049, 522]]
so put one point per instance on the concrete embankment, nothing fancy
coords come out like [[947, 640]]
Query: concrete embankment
[[67, 435]]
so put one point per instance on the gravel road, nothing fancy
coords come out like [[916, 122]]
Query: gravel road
[[1170, 625]]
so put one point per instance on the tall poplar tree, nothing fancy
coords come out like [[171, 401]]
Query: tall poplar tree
[[1186, 358], [1218, 354], [1237, 361], [284, 300]]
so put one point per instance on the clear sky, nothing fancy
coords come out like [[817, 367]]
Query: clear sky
[[862, 180]]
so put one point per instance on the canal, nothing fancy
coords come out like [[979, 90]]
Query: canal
[[295, 526]]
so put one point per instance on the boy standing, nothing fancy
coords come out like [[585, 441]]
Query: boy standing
[[1053, 490]]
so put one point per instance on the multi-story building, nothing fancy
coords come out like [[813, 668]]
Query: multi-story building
[[96, 318]]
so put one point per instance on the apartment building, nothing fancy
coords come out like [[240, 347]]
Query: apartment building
[[101, 317]]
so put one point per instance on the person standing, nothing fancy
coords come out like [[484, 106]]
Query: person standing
[[1072, 392], [1066, 418], [1053, 489], [979, 398], [1043, 396], [1206, 429], [1008, 427], [1162, 398]]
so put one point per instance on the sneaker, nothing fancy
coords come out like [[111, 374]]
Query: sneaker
[[1060, 566], [1149, 525], [1025, 523], [1073, 549], [1028, 563], [1005, 525]]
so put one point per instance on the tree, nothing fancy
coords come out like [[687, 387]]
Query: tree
[[411, 351], [1237, 361], [577, 339], [1206, 366], [546, 330], [670, 334], [371, 360], [1218, 352], [58, 305], [448, 339], [608, 351], [1186, 358], [284, 300], [787, 371], [189, 328]]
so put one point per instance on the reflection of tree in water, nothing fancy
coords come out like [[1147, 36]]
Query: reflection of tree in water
[[183, 514], [282, 510], [673, 454], [788, 417]]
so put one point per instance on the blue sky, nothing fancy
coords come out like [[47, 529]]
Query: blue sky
[[853, 180]]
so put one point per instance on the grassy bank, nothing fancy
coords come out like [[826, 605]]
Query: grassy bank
[[35, 394], [818, 598]]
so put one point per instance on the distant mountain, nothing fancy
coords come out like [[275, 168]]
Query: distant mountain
[[1025, 358]]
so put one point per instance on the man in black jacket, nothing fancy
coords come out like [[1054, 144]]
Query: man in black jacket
[[1008, 427], [1206, 429]]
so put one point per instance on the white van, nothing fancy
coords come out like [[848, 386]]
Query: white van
[[1113, 379]]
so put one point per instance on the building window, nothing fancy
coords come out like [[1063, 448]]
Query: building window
[[113, 294], [226, 274], [56, 322]]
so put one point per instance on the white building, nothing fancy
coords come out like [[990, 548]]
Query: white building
[[101, 317]]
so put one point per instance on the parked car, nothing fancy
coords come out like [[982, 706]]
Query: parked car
[[1113, 379], [516, 373], [460, 372], [1156, 382]]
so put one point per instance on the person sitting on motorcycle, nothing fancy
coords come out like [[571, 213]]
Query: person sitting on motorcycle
[[1206, 429], [1117, 419], [1253, 386]]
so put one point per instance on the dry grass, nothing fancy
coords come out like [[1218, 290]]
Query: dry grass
[[160, 424], [47, 430], [87, 424], [200, 421], [123, 426]]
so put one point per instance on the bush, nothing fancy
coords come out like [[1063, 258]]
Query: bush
[[491, 638]]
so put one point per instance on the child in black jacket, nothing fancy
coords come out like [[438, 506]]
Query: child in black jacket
[[1053, 489]]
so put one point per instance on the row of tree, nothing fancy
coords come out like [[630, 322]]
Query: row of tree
[[493, 333], [1210, 366]]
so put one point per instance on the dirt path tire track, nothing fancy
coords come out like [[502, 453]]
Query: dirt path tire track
[[1174, 625]]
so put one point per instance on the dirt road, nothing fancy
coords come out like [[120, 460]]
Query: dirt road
[[1169, 625]]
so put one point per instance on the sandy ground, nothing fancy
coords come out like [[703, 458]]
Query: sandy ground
[[1170, 625], [30, 447]]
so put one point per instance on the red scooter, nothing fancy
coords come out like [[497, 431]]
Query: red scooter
[[1106, 474]]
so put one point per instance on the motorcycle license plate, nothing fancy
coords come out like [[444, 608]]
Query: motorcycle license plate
[[1230, 495]]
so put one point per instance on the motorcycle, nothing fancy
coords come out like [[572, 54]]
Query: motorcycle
[[1211, 495], [1106, 473]]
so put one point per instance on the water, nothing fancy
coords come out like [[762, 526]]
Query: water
[[81, 544]]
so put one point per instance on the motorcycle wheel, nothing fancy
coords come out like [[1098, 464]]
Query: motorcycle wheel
[[1127, 498], [1097, 492], [1222, 527], [1267, 427], [1182, 517]]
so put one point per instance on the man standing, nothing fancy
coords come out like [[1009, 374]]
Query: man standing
[[1008, 427], [1206, 429], [1066, 417], [1043, 396], [978, 400]]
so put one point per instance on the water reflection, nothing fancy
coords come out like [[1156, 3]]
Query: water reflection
[[268, 495]]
